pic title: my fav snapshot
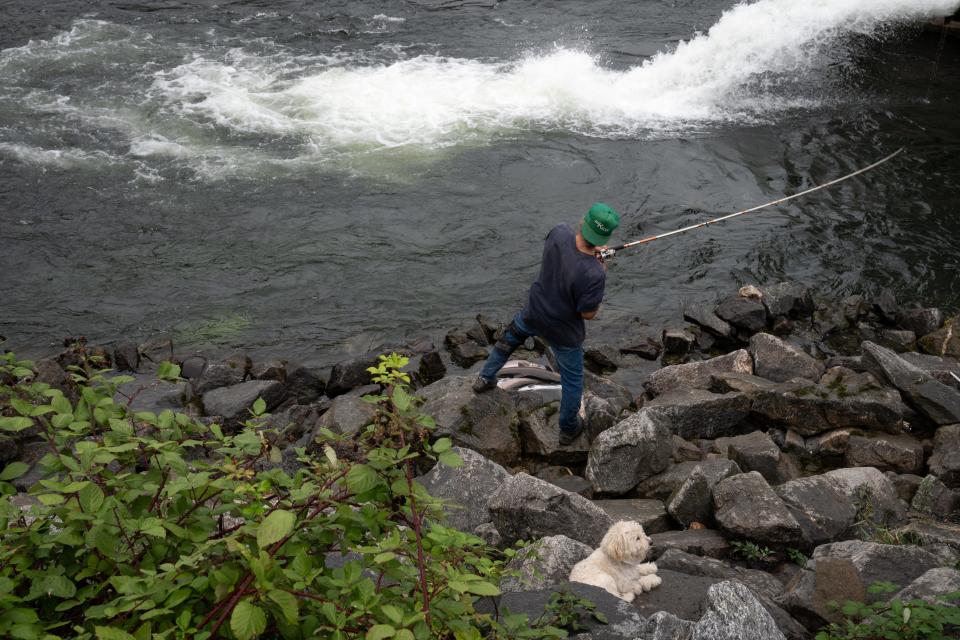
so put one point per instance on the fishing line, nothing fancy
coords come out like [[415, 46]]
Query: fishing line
[[610, 251]]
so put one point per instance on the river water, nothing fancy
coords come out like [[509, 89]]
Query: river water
[[323, 178]]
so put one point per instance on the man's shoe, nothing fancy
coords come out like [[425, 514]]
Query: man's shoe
[[482, 384], [568, 437]]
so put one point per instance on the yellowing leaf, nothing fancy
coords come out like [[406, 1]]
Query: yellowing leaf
[[274, 527]]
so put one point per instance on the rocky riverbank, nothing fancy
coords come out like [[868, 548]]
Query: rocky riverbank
[[782, 452]]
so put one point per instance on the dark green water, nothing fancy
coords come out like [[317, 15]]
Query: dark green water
[[325, 178]]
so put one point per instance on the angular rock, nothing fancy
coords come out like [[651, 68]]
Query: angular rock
[[790, 299], [486, 423], [937, 401], [666, 626], [540, 437], [942, 369], [270, 370], [734, 613], [684, 451], [703, 315], [650, 514], [945, 460], [899, 453], [427, 368], [527, 508], [935, 498], [811, 595], [920, 321], [126, 356], [348, 415], [747, 507], [349, 374], [677, 342], [546, 562], [696, 413], [648, 349], [304, 384], [234, 402], [899, 341], [905, 484], [467, 354], [779, 361], [760, 582], [945, 341], [693, 499], [697, 375], [885, 304], [824, 512], [150, 394], [633, 450], [933, 583], [872, 494], [744, 313], [601, 414], [601, 358], [623, 622], [847, 400], [829, 443], [933, 533], [613, 392], [756, 451], [228, 373], [661, 485], [699, 542], [466, 489], [874, 562]]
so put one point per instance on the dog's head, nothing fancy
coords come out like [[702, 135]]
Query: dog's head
[[625, 541]]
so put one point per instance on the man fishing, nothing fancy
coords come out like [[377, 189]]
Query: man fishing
[[568, 291]]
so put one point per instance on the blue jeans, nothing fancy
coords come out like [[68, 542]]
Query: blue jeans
[[569, 361]]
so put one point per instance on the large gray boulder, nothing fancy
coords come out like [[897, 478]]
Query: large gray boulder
[[526, 508], [935, 498], [692, 501], [746, 507], [348, 415], [874, 562], [790, 299], [756, 451], [945, 460], [932, 533], [778, 360], [546, 562], [760, 582], [900, 453], [350, 374], [920, 321], [486, 422], [662, 485], [696, 413], [747, 314], [697, 375], [933, 583], [650, 514], [703, 315], [665, 626], [633, 450], [234, 402], [734, 613], [227, 373], [699, 542], [937, 401], [843, 399], [812, 594], [871, 492], [540, 437], [148, 393], [466, 489], [824, 512]]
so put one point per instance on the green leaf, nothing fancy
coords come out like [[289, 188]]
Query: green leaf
[[109, 633], [259, 406], [14, 470], [482, 589], [247, 620], [392, 612], [361, 478], [287, 603], [441, 445], [274, 527], [15, 423], [405, 634], [450, 459], [380, 631], [168, 371], [401, 399], [380, 558], [51, 499]]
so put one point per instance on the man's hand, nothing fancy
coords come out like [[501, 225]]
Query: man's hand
[[598, 253]]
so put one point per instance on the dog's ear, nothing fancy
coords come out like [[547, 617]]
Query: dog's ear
[[614, 543]]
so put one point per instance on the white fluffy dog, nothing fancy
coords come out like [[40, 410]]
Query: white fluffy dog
[[617, 565]]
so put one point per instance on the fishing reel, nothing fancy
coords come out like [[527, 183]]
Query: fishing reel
[[606, 253]]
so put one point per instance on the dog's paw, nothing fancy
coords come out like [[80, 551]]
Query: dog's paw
[[627, 597], [648, 568], [650, 582]]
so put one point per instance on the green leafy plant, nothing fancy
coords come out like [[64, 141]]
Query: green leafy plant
[[157, 526], [567, 610], [797, 557], [896, 620], [751, 551]]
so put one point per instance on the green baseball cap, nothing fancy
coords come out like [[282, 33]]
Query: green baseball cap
[[599, 223]]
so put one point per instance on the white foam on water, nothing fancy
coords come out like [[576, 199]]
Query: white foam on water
[[438, 101], [61, 158]]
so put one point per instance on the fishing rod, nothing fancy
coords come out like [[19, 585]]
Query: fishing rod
[[610, 251]]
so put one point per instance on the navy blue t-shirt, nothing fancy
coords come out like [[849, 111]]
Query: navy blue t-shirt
[[570, 282]]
